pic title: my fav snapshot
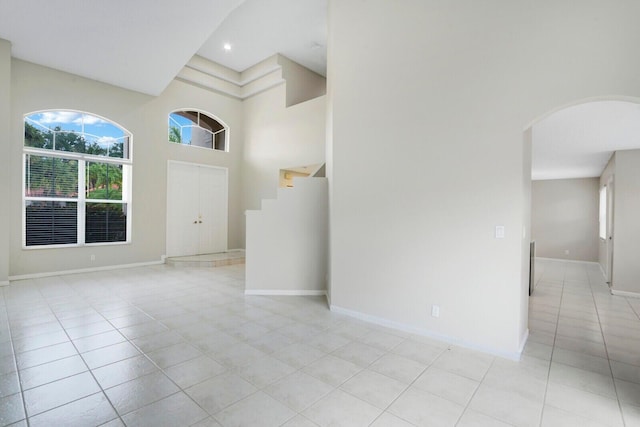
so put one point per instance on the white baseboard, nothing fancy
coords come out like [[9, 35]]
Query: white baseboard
[[84, 270], [625, 294], [429, 334], [283, 292], [573, 261]]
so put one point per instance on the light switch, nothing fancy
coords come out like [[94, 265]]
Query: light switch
[[435, 310], [499, 231]]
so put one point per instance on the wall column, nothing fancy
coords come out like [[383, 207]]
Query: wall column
[[5, 103]]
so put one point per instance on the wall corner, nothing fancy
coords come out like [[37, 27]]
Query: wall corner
[[5, 147]]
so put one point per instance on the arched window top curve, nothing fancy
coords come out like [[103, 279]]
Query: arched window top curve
[[198, 129], [76, 132], [77, 173]]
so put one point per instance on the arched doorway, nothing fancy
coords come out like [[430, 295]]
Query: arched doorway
[[573, 178]]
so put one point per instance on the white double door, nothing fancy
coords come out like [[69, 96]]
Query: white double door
[[196, 209]]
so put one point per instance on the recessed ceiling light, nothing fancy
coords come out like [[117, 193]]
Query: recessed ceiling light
[[227, 47]]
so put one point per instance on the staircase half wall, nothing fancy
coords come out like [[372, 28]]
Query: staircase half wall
[[287, 241]]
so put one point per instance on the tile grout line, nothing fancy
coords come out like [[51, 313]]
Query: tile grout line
[[447, 348], [553, 347], [162, 370], [473, 395], [300, 369], [636, 312], [206, 354], [54, 302], [261, 389], [15, 363], [80, 355], [606, 350], [334, 388], [390, 350], [143, 353], [83, 298]]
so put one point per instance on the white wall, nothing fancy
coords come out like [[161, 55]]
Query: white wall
[[302, 83], [429, 103], [228, 110], [5, 162], [626, 231], [36, 88], [525, 250], [565, 218], [287, 241], [278, 137]]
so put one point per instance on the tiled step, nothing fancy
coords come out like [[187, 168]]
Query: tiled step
[[207, 260]]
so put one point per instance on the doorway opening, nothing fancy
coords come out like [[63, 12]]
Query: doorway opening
[[574, 173], [197, 209]]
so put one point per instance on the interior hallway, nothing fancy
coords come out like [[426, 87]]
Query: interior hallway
[[593, 341], [184, 346]]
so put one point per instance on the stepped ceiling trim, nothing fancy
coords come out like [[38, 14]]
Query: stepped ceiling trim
[[137, 45], [240, 85]]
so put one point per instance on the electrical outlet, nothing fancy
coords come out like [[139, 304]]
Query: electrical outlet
[[435, 310], [93, 257]]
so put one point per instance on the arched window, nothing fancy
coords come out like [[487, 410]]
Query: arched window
[[77, 180], [198, 129]]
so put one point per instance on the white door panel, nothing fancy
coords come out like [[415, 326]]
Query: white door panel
[[213, 210], [196, 209]]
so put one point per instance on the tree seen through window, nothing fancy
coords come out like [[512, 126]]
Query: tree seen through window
[[77, 170]]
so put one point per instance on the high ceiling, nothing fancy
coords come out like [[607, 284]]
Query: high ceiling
[[577, 142], [258, 29], [139, 45], [143, 44]]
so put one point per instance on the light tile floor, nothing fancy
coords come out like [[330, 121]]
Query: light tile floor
[[161, 346]]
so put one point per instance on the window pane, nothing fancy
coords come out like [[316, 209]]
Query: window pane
[[189, 117], [60, 131], [68, 141], [210, 124], [108, 146], [181, 124], [196, 129], [37, 136], [51, 177], [103, 181], [603, 213], [221, 140], [201, 138], [51, 223], [106, 222], [120, 148], [75, 132]]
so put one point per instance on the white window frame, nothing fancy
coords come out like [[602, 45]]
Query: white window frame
[[227, 136], [602, 214], [81, 200]]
